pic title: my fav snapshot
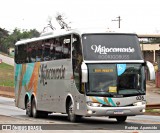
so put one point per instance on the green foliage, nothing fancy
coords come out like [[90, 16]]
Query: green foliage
[[3, 35], [155, 40], [6, 75], [7, 40]]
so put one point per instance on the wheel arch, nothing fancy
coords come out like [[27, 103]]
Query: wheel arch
[[68, 99], [30, 97]]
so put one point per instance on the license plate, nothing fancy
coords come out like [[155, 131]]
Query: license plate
[[118, 112]]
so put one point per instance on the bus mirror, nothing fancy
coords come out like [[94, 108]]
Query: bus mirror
[[151, 70], [84, 73]]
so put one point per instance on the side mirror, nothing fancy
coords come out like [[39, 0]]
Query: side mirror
[[151, 70], [84, 73]]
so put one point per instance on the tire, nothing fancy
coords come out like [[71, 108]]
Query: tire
[[28, 108], [35, 113], [71, 116], [121, 119]]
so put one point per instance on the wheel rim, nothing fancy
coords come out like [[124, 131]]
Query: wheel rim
[[71, 112], [34, 109], [71, 109], [28, 108]]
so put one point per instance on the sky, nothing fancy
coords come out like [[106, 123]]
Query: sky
[[139, 16]]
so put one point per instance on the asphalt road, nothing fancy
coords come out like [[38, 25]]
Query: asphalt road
[[9, 114]]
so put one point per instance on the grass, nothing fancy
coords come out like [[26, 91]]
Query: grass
[[6, 75], [153, 111]]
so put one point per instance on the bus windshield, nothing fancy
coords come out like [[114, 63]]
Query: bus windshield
[[116, 79], [111, 47]]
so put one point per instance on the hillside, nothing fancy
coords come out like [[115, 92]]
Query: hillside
[[6, 75]]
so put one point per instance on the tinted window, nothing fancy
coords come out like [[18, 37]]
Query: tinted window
[[77, 60], [44, 50], [21, 54]]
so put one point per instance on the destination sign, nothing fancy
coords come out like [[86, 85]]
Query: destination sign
[[103, 70]]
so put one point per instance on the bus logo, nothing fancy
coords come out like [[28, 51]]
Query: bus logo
[[50, 73], [103, 50]]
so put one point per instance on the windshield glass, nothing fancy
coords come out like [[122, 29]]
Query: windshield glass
[[113, 79], [111, 47]]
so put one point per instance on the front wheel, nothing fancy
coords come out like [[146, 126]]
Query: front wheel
[[121, 119], [71, 116]]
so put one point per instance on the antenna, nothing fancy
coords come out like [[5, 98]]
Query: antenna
[[119, 21]]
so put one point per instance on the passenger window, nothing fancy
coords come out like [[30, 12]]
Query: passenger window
[[21, 54], [66, 47], [46, 50]]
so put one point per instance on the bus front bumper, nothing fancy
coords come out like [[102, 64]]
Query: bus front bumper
[[115, 111]]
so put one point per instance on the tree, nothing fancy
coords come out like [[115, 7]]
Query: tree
[[62, 23], [16, 35], [3, 34], [155, 40]]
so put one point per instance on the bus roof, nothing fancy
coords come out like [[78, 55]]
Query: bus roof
[[64, 32]]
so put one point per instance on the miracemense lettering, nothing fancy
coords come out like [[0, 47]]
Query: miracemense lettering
[[103, 50], [50, 73]]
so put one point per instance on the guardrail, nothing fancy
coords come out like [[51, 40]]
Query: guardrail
[[153, 106]]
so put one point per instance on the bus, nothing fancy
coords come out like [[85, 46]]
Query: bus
[[81, 74]]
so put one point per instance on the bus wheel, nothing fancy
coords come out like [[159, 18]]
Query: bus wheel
[[28, 108], [121, 119], [35, 113], [70, 110]]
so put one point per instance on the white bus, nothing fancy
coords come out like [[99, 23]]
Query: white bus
[[81, 74]]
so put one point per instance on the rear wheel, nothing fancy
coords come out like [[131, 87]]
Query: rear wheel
[[28, 108], [121, 119], [35, 113]]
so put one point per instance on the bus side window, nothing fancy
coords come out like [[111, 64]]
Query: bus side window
[[52, 48], [58, 50], [66, 46], [76, 61], [31, 52], [39, 51], [46, 50], [21, 54], [16, 54]]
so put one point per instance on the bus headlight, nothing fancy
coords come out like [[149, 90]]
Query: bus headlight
[[139, 103], [94, 104]]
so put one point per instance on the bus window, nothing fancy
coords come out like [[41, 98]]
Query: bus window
[[39, 51], [66, 46], [21, 54], [52, 48], [31, 50], [77, 60], [58, 50], [46, 50]]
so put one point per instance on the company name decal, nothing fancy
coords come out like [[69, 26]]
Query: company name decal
[[104, 50], [50, 73]]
